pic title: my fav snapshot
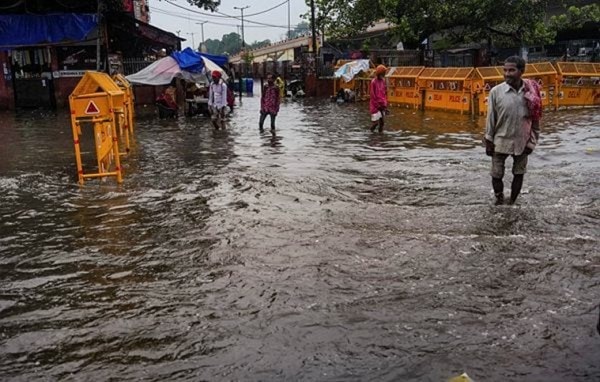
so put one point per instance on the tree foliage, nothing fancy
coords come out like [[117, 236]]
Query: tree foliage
[[300, 29], [209, 5], [576, 17], [231, 44], [459, 21]]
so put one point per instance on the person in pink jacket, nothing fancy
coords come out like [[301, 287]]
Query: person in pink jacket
[[378, 98]]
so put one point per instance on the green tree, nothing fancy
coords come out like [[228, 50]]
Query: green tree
[[232, 43], [513, 21], [214, 46], [299, 30], [342, 18], [259, 44], [576, 17], [209, 5]]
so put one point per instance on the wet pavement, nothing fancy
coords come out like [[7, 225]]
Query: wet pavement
[[321, 253]]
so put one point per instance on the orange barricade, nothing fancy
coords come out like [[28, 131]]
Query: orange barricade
[[126, 115], [402, 85], [94, 101], [579, 84], [446, 88], [485, 78], [362, 83]]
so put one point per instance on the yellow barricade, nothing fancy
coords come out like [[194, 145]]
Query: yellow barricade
[[579, 84], [446, 88], [125, 118], [546, 76], [94, 101], [485, 78], [363, 81], [402, 85]]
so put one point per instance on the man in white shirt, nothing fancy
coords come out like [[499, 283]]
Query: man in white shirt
[[512, 129], [217, 100]]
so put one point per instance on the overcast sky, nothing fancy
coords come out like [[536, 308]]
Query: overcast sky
[[166, 15]]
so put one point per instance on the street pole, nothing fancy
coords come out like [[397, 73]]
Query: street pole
[[99, 35], [193, 42], [242, 10], [312, 22], [289, 29], [202, 29]]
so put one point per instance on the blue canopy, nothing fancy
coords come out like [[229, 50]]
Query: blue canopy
[[191, 61], [19, 30]]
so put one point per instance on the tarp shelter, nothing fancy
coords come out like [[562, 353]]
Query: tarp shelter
[[196, 62], [188, 65], [350, 69], [21, 30]]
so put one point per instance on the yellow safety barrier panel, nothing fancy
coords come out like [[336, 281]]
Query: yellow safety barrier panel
[[402, 85], [579, 84], [94, 101], [546, 76], [446, 88], [363, 81], [485, 78], [125, 117]]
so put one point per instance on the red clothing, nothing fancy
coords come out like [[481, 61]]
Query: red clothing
[[533, 98], [378, 95], [269, 101]]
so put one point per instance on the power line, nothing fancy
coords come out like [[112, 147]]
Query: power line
[[180, 15], [224, 15]]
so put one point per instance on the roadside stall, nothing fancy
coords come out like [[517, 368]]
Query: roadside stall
[[579, 84], [446, 88], [402, 85], [188, 65]]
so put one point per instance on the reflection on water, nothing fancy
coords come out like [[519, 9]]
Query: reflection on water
[[321, 251]]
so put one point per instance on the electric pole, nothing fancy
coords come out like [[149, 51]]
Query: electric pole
[[313, 27], [202, 26], [289, 29], [242, 10], [193, 43]]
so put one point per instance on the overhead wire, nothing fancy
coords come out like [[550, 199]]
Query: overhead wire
[[179, 15], [224, 15]]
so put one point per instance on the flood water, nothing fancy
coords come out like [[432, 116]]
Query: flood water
[[324, 252]]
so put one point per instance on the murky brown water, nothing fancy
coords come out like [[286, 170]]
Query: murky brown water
[[324, 253]]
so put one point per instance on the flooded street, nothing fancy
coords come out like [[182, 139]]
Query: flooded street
[[322, 253]]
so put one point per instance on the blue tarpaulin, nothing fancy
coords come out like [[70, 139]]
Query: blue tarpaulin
[[19, 30], [191, 61]]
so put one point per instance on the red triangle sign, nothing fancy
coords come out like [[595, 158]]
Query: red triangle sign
[[92, 108]]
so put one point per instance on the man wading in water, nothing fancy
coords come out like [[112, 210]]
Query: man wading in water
[[512, 126], [378, 98]]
